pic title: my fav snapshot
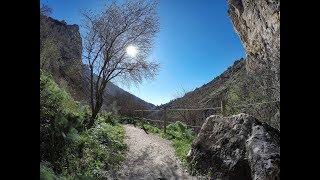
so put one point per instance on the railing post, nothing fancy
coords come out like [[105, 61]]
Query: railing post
[[223, 108], [142, 116], [165, 121]]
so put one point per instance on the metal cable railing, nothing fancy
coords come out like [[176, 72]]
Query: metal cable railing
[[164, 121]]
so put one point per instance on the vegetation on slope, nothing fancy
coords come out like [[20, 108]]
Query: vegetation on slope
[[240, 92], [69, 150]]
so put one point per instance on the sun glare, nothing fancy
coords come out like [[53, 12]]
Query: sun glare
[[132, 51]]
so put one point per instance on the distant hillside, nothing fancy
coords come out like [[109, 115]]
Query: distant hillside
[[114, 94], [210, 94], [235, 88], [60, 55]]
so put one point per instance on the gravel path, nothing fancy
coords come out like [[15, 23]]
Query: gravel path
[[149, 157]]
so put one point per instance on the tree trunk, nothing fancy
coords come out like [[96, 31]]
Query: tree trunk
[[92, 118], [95, 110], [91, 88]]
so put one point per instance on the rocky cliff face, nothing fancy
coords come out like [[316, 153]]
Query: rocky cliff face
[[60, 48], [60, 53], [257, 23], [237, 147]]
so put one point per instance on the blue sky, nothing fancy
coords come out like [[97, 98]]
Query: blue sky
[[196, 43]]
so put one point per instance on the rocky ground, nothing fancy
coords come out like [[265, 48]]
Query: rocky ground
[[150, 157]]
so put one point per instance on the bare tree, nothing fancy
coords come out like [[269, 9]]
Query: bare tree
[[45, 10], [108, 35], [188, 116]]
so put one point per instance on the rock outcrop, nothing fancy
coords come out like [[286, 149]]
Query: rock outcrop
[[60, 48], [257, 23], [60, 53], [237, 147]]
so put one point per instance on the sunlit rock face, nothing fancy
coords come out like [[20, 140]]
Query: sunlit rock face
[[60, 53], [62, 45], [257, 22], [236, 147]]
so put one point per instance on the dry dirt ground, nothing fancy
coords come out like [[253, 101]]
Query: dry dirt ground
[[149, 157]]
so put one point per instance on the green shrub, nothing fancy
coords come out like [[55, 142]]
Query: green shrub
[[150, 128], [233, 98], [181, 138], [54, 100], [108, 117], [98, 150], [59, 114], [70, 150], [182, 147], [46, 173]]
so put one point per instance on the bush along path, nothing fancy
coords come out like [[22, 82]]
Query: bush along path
[[149, 156], [70, 150]]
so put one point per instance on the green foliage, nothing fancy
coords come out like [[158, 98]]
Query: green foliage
[[68, 149], [150, 128], [179, 131], [49, 53], [182, 138], [233, 98], [108, 117], [46, 173], [95, 151], [59, 115], [236, 96], [54, 100], [182, 147]]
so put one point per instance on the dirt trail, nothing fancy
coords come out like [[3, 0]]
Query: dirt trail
[[149, 157]]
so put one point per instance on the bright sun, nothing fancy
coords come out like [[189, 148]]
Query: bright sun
[[132, 51]]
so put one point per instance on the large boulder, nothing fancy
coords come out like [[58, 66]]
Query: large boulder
[[236, 147]]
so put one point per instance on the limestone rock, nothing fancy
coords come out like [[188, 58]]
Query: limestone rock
[[236, 147]]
